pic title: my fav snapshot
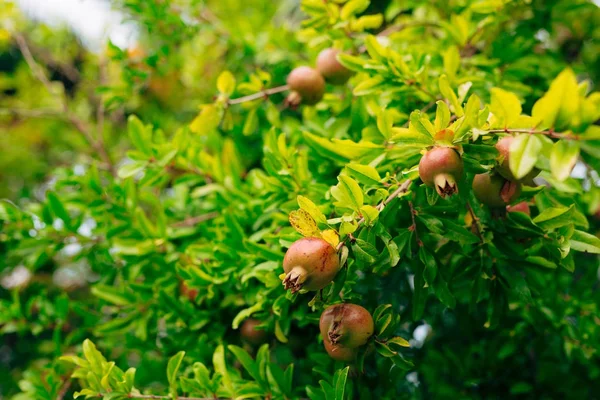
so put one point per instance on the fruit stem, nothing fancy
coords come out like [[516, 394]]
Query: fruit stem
[[258, 95]]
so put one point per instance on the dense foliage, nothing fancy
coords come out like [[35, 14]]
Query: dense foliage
[[440, 159]]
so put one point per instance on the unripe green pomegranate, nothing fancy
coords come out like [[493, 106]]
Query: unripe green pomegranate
[[307, 86], [519, 207], [250, 334], [340, 353], [503, 168], [441, 167], [347, 325], [310, 264], [331, 69], [495, 191]]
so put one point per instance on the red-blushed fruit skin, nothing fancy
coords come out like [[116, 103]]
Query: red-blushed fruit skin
[[339, 352], [331, 69], [250, 334], [519, 207], [347, 325], [488, 187], [317, 258], [503, 147], [440, 160], [308, 83], [185, 290]]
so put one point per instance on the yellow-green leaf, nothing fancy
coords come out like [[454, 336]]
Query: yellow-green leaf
[[563, 158], [524, 152], [505, 106], [303, 223], [558, 106], [226, 83]]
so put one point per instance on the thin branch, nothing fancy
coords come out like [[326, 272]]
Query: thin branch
[[33, 113], [192, 221], [80, 125], [413, 227], [401, 189], [263, 94], [64, 389], [478, 229]]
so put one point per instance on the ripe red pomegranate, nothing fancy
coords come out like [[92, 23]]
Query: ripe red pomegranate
[[503, 168], [347, 325], [250, 334], [310, 264], [331, 69], [441, 167], [307, 86], [340, 353], [495, 191]]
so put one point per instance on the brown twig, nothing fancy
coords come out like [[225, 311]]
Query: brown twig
[[258, 95], [80, 125], [195, 220]]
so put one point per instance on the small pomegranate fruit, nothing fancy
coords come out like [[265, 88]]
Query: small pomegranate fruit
[[185, 290], [310, 264], [441, 167], [331, 69], [519, 207], [250, 334], [495, 191], [307, 86], [340, 353], [503, 168], [347, 325]]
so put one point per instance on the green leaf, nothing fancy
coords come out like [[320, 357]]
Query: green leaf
[[554, 217], [585, 242], [172, 368], [442, 116], [132, 169], [226, 83], [430, 265], [353, 7], [524, 152], [58, 208], [400, 341], [112, 295], [364, 173], [420, 123], [365, 251], [246, 361], [563, 158], [340, 150], [347, 193], [449, 94], [385, 122], [505, 106], [410, 137], [139, 135], [340, 383]]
